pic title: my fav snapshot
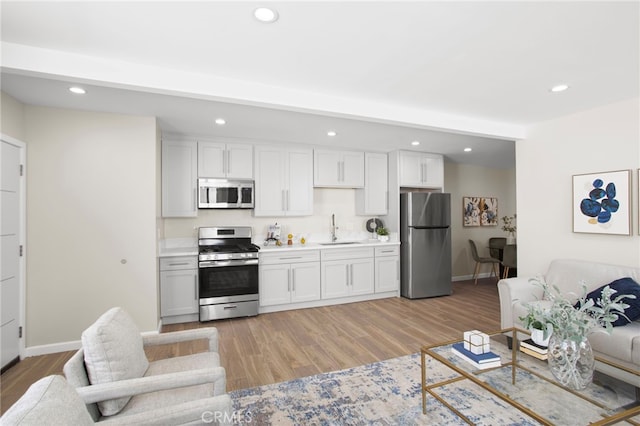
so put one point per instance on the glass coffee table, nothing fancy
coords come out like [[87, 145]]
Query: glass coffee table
[[525, 383]]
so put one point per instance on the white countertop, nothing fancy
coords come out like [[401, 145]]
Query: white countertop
[[318, 246], [173, 247]]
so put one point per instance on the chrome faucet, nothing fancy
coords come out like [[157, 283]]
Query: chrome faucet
[[333, 228]]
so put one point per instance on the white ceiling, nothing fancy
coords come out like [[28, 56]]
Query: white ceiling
[[382, 74]]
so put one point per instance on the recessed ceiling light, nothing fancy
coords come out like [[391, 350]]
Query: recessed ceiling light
[[559, 88], [221, 121], [77, 90], [331, 133], [467, 150], [415, 143], [264, 14]]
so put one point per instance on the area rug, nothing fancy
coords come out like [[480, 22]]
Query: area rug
[[388, 393]]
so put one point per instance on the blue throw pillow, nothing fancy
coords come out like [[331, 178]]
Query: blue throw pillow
[[622, 286]]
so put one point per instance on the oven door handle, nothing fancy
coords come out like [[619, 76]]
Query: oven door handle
[[225, 263]]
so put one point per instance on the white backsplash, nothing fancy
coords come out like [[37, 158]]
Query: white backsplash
[[327, 201]]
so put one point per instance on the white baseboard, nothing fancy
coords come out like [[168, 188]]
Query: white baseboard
[[470, 277], [52, 348]]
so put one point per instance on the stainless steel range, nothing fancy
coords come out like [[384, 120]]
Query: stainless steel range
[[228, 273]]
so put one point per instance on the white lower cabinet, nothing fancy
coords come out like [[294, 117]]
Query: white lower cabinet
[[347, 272], [178, 286], [387, 271], [289, 277]]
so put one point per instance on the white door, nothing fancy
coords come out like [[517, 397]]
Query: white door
[[275, 284], [10, 251], [387, 273], [353, 169], [335, 279], [211, 156], [239, 161], [179, 178], [411, 169], [305, 282], [179, 292], [270, 183], [300, 183], [361, 277]]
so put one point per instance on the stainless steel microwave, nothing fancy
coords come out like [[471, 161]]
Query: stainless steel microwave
[[225, 194]]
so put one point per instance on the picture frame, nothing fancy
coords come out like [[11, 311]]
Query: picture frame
[[601, 203], [479, 211]]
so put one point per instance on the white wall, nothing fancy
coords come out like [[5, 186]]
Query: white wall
[[602, 139], [12, 117], [463, 180], [91, 215]]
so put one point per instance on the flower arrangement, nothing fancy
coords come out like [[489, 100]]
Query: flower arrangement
[[509, 224], [575, 321]]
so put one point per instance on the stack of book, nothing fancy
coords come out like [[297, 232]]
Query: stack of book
[[533, 349], [479, 361]]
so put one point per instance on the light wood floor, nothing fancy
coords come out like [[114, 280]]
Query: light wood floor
[[281, 346]]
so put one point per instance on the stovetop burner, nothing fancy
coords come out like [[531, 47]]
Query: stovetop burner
[[234, 248], [226, 244]]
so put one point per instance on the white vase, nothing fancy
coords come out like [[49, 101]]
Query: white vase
[[383, 238], [538, 336]]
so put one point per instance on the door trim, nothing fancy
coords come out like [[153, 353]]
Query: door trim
[[23, 232]]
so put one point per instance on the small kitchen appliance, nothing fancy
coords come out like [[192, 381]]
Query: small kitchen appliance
[[228, 273], [225, 194]]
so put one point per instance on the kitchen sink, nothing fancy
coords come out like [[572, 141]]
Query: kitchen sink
[[339, 243]]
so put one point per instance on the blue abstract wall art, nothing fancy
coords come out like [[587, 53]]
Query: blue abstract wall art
[[601, 203]]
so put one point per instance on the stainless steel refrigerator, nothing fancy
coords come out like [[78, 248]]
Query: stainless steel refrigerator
[[425, 252]]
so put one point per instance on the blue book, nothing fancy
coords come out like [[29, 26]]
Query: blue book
[[478, 358]]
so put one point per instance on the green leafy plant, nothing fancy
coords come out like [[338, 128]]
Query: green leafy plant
[[382, 231], [509, 225], [575, 323]]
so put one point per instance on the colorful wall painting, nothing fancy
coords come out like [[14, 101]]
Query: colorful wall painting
[[601, 203], [479, 211]]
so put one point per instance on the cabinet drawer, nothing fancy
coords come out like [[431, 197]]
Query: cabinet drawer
[[178, 262], [290, 257], [387, 251], [347, 253]]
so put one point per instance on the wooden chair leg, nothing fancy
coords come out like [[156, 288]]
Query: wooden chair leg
[[505, 274], [475, 272], [496, 271]]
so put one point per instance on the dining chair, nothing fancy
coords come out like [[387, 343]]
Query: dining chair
[[480, 260], [509, 259], [496, 246]]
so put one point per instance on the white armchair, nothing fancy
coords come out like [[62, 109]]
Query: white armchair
[[114, 378], [52, 400]]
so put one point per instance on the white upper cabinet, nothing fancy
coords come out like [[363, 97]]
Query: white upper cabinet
[[225, 160], [373, 199], [419, 169], [179, 178], [283, 181], [338, 168]]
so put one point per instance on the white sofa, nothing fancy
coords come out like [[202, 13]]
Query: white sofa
[[622, 347]]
